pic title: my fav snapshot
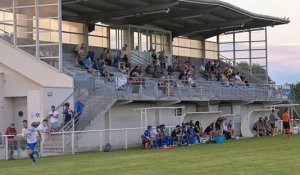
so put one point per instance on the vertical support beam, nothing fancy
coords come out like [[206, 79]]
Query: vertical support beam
[[86, 37], [250, 53], [266, 43], [218, 44], [203, 51], [60, 55], [171, 47], [15, 24], [37, 23], [234, 56], [147, 47]]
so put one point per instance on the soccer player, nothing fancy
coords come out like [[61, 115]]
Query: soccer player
[[147, 137], [166, 139], [29, 133], [286, 124]]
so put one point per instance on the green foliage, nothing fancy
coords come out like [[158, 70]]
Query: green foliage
[[296, 89], [257, 71]]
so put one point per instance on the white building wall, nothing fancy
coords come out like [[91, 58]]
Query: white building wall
[[19, 105], [6, 107]]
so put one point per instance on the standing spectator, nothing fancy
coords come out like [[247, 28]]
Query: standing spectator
[[53, 115], [103, 54], [219, 123], [108, 58], [286, 124], [11, 130], [79, 106], [43, 127], [272, 121], [162, 59], [68, 113], [91, 54], [154, 58]]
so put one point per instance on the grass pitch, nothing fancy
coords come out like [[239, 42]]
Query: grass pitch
[[263, 155]]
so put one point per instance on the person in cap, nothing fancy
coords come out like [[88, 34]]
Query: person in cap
[[11, 130]]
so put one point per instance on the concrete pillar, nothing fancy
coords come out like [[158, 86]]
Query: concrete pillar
[[85, 38]]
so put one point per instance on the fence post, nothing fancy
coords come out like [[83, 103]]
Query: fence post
[[100, 137], [6, 148], [42, 145], [63, 141], [73, 137], [126, 141]]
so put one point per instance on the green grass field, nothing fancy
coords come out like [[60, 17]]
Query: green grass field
[[263, 155]]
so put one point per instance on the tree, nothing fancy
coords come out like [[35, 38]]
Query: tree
[[257, 70], [296, 89]]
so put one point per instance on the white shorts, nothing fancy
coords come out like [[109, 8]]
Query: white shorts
[[53, 125]]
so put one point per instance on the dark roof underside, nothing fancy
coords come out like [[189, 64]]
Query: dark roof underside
[[189, 18]]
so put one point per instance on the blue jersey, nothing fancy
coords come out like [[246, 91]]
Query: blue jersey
[[147, 134], [190, 130], [162, 132], [229, 126], [79, 106], [183, 130], [91, 54], [96, 65], [86, 63]]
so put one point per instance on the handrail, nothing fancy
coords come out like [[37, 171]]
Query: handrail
[[141, 58]]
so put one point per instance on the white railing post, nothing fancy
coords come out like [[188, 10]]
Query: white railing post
[[100, 137], [42, 145], [73, 137], [6, 148], [63, 141], [126, 141]]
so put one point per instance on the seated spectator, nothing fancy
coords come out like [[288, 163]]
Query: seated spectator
[[209, 130], [155, 73], [149, 69], [121, 64], [191, 82], [199, 129], [238, 81], [259, 127], [230, 127], [159, 138], [170, 70], [189, 62], [147, 137], [88, 65], [207, 66], [225, 81], [80, 57], [91, 54], [162, 59], [104, 72], [78, 49], [175, 62], [226, 132], [192, 134], [126, 61], [243, 78], [177, 135], [96, 64], [268, 128]]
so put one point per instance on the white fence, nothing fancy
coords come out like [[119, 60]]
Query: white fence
[[80, 141]]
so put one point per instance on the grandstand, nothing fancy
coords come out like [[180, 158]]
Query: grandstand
[[38, 66]]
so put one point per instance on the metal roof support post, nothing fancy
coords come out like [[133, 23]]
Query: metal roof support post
[[218, 44], [233, 38], [266, 44], [60, 49], [250, 53]]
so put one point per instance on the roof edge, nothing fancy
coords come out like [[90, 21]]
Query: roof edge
[[239, 10]]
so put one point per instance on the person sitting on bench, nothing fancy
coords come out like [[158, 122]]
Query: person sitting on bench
[[177, 135], [210, 131], [146, 137], [230, 128], [226, 132], [259, 127]]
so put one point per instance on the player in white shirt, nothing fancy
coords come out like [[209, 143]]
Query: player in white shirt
[[53, 115], [29, 132]]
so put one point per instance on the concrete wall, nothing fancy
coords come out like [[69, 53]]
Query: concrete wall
[[6, 107], [19, 106], [38, 71]]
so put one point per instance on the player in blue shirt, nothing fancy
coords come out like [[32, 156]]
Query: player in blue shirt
[[184, 133], [96, 65], [91, 54], [78, 108], [167, 141], [147, 136], [29, 133]]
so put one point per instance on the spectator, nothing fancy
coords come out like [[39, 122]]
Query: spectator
[[78, 108], [79, 47], [108, 58], [209, 130], [199, 129], [230, 128], [286, 124], [228, 133], [53, 115], [43, 127], [104, 72], [147, 137], [243, 78], [176, 63], [177, 135], [154, 58], [219, 123], [159, 138], [11, 130], [68, 113], [91, 54], [96, 64], [238, 81], [259, 127], [103, 54], [126, 61], [184, 133], [80, 57], [273, 120], [207, 66], [162, 59], [154, 136], [191, 82], [88, 65]]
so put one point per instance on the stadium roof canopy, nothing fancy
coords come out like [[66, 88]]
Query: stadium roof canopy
[[187, 18]]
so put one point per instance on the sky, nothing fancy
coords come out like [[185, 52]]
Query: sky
[[283, 40]]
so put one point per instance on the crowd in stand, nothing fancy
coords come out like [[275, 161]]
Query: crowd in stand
[[187, 134], [187, 71]]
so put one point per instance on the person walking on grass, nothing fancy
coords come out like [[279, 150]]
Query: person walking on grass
[[273, 119], [286, 124]]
